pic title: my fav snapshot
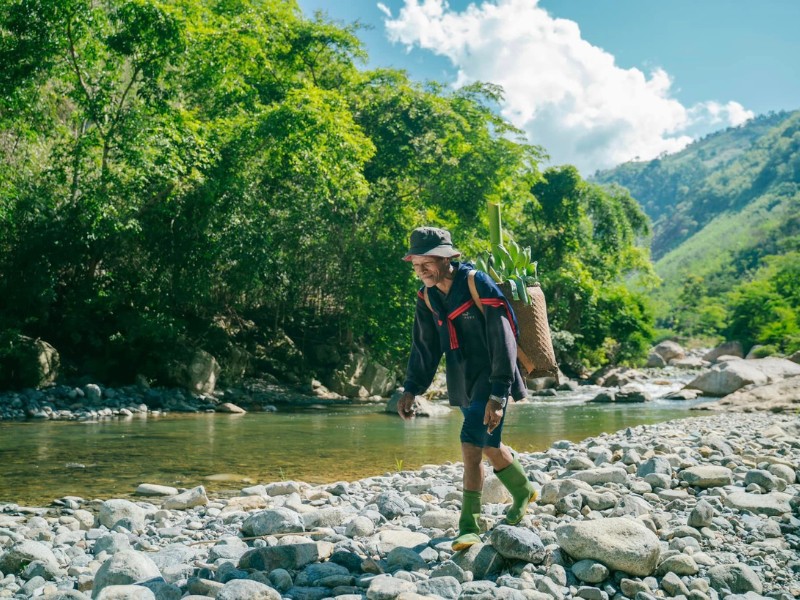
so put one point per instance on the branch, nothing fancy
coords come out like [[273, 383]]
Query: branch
[[74, 60]]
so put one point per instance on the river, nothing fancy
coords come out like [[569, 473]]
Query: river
[[42, 461]]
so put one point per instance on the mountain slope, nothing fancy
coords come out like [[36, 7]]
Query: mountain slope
[[725, 171], [720, 208]]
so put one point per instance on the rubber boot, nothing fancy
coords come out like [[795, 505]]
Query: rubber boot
[[468, 523], [522, 490]]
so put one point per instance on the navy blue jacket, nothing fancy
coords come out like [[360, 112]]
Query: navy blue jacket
[[480, 349]]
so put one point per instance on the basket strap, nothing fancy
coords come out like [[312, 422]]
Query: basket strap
[[476, 297]]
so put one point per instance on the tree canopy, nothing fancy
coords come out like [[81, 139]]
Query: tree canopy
[[196, 174]]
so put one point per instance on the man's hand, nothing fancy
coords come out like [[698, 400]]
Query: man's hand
[[493, 415], [407, 406]]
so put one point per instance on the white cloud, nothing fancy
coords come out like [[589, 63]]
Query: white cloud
[[569, 96]]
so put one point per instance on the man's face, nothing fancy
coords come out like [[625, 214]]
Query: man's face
[[430, 269]]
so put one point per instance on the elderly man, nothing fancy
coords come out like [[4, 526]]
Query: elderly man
[[481, 368]]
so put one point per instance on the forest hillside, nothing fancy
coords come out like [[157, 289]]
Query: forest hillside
[[726, 231], [226, 180]]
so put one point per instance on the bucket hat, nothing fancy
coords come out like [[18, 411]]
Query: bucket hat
[[430, 241]]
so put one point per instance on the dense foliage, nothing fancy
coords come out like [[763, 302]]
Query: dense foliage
[[726, 216], [196, 174]]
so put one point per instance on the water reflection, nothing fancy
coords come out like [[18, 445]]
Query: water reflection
[[42, 461]]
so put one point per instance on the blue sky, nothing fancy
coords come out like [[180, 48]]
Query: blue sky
[[596, 82]]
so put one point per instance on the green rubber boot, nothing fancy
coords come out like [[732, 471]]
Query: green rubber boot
[[468, 523], [522, 490]]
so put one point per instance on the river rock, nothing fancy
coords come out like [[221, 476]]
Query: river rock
[[114, 511], [230, 408], [517, 543], [111, 544], [774, 397], [442, 587], [362, 372], [35, 361], [276, 520], [727, 348], [151, 489], [481, 559], [389, 539], [125, 592], [423, 406], [199, 375], [125, 567], [737, 578], [290, 557], [702, 514], [762, 478], [619, 543], [707, 476], [188, 499], [725, 378], [384, 587], [553, 491], [772, 504], [669, 350], [602, 475], [245, 589], [590, 571], [21, 554], [391, 505], [655, 464]]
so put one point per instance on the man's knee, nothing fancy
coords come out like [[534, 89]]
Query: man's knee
[[471, 454]]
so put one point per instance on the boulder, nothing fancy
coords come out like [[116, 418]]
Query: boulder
[[188, 499], [737, 578], [707, 476], [774, 504], [202, 371], [290, 557], [276, 520], [124, 568], [669, 350], [27, 362], [725, 378], [245, 589], [727, 348], [116, 510], [25, 552], [363, 372], [620, 543], [776, 397], [125, 592], [424, 407], [152, 489], [517, 543]]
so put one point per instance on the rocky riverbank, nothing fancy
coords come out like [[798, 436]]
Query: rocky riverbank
[[92, 401], [700, 508]]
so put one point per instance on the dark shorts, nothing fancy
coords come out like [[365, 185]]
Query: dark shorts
[[473, 431]]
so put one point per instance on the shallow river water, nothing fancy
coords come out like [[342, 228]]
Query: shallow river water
[[43, 461]]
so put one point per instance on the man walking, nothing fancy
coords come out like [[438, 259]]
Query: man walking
[[481, 368]]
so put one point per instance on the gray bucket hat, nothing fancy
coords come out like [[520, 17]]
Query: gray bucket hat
[[430, 241]]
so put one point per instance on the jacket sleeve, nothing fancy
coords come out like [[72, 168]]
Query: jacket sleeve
[[500, 335], [426, 351]]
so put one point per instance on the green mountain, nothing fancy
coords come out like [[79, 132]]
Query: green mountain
[[726, 229]]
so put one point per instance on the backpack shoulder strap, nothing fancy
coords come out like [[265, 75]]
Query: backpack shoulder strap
[[473, 290]]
